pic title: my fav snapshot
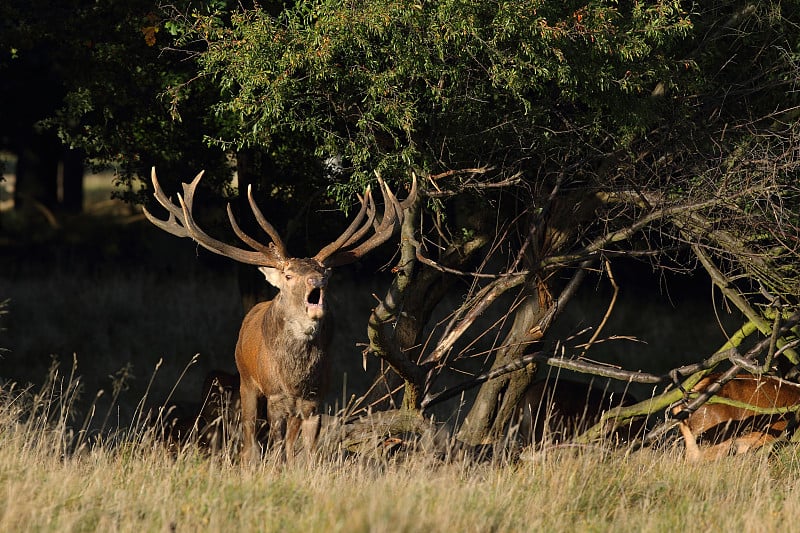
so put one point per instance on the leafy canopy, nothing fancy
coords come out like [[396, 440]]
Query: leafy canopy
[[440, 85]]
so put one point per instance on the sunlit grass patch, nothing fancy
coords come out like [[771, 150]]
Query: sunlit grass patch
[[132, 481]]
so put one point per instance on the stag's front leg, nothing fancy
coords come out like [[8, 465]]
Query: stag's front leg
[[293, 426], [278, 410], [308, 423], [310, 430], [249, 399]]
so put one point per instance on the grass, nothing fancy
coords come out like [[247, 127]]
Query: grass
[[54, 477], [133, 483], [126, 300]]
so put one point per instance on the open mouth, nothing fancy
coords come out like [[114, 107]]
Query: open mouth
[[314, 298]]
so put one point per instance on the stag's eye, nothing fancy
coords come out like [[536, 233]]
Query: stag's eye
[[288, 277]]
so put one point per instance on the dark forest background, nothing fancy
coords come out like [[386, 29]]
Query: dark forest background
[[562, 149]]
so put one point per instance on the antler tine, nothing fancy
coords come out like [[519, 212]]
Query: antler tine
[[412, 195], [219, 247], [181, 223], [366, 226], [268, 250], [265, 225], [392, 216], [391, 211], [189, 189], [170, 225], [353, 231]]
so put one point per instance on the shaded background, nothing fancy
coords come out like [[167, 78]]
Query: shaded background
[[130, 304]]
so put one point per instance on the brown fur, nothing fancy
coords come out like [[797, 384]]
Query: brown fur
[[281, 355], [734, 429], [281, 351], [557, 409]]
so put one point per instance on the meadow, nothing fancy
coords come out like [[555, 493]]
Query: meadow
[[132, 483], [106, 322]]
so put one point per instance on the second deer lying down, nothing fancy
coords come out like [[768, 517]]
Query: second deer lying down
[[735, 429], [557, 409], [207, 421], [281, 353], [220, 399]]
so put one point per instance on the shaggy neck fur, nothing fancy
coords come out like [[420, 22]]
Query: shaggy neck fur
[[298, 355]]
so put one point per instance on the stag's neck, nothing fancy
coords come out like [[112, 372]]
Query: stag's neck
[[297, 357], [304, 330], [297, 333]]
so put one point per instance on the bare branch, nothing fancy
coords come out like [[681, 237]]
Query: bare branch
[[441, 268], [602, 324], [734, 296], [460, 171], [485, 297]]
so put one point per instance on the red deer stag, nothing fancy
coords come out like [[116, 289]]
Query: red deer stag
[[556, 409], [281, 351], [734, 428]]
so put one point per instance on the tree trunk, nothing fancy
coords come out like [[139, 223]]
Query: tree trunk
[[492, 408], [393, 327], [551, 232], [37, 172], [398, 321], [71, 188]]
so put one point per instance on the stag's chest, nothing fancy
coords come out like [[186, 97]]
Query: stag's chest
[[299, 364]]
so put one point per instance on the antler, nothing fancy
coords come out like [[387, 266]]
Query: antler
[[345, 249], [182, 224]]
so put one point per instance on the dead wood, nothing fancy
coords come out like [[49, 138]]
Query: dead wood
[[382, 434]]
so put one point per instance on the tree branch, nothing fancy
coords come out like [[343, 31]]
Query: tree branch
[[733, 295]]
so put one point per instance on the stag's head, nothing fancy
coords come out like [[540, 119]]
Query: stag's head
[[302, 282]]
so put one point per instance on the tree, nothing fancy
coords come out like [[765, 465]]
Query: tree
[[85, 79], [552, 137], [32, 87]]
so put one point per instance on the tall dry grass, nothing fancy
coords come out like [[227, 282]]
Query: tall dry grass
[[70, 461], [54, 478]]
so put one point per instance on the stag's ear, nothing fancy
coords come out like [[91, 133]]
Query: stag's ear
[[272, 274]]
